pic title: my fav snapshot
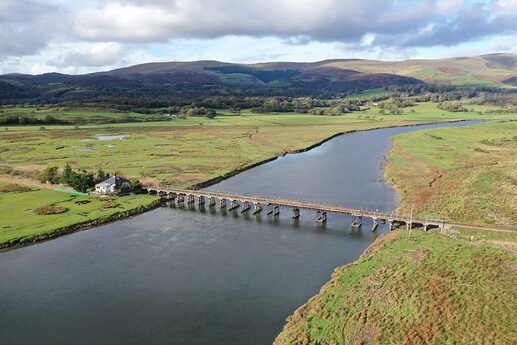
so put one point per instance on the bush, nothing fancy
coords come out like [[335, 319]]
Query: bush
[[135, 185], [44, 210], [110, 204], [50, 174]]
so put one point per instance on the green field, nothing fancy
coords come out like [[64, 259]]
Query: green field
[[426, 289], [189, 151], [478, 163], [18, 220], [78, 115]]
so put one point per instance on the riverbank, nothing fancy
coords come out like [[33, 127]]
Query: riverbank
[[464, 175], [425, 289], [21, 225]]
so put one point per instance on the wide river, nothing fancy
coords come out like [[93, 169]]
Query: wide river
[[180, 276]]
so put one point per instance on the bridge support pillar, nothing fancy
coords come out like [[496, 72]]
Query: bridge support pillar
[[390, 225], [190, 199], [211, 201], [223, 203], [375, 224], [296, 213], [234, 204], [245, 206], [258, 208], [274, 210], [321, 216], [358, 222], [201, 200], [163, 195]]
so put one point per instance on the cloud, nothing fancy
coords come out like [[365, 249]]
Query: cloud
[[26, 26], [96, 33], [91, 55], [412, 23]]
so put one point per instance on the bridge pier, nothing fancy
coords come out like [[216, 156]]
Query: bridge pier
[[234, 204], [321, 216], [390, 225], [273, 209], [162, 195], [358, 222], [375, 224], [222, 202], [211, 201], [245, 206], [200, 200], [190, 199], [257, 208], [296, 213]]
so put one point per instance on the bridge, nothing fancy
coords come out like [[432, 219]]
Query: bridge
[[272, 206]]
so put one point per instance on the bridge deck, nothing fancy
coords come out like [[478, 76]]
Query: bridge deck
[[304, 205]]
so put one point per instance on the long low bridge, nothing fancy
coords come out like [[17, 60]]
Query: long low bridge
[[256, 206]]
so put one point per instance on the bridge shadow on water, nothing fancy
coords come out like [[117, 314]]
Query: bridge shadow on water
[[336, 224]]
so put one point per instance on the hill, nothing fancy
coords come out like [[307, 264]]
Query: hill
[[206, 78]]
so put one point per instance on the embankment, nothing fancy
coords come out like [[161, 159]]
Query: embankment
[[426, 289], [27, 240]]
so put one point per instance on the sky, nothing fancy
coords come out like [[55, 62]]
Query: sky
[[75, 37]]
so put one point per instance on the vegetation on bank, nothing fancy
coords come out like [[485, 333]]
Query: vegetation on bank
[[423, 289], [37, 214], [465, 174]]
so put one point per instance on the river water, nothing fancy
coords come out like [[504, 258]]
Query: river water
[[181, 276]]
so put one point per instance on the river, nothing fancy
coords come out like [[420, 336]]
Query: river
[[180, 276]]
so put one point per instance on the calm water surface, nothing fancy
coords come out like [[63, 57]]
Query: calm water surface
[[181, 276]]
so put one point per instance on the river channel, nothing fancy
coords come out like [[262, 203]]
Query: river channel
[[180, 276]]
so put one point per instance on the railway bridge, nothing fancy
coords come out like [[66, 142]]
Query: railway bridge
[[271, 206]]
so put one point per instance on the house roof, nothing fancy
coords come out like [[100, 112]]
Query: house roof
[[113, 180]]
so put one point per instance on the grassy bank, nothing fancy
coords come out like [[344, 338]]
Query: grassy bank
[[20, 221], [428, 289], [465, 174]]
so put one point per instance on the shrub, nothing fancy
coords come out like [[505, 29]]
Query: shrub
[[110, 204], [44, 210]]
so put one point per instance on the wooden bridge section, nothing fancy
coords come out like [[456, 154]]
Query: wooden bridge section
[[256, 204]]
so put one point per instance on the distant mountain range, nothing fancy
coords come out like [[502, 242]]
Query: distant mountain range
[[202, 78]]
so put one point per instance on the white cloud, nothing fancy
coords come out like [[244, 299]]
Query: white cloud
[[90, 54], [40, 35]]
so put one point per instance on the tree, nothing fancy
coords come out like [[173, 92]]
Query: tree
[[67, 173], [102, 175], [81, 181], [135, 185], [50, 174]]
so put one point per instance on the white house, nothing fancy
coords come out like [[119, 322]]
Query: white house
[[112, 185]]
